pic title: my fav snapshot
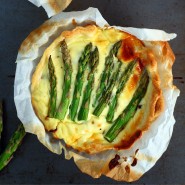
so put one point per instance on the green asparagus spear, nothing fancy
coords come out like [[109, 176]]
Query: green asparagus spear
[[82, 64], [130, 110], [84, 110], [122, 81], [53, 90], [63, 107], [12, 146], [1, 118], [104, 100], [107, 71]]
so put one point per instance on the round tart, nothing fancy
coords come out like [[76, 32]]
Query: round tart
[[97, 89]]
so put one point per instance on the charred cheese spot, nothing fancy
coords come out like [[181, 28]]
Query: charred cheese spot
[[125, 144], [127, 50]]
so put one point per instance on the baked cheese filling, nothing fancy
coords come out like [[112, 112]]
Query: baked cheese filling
[[93, 88]]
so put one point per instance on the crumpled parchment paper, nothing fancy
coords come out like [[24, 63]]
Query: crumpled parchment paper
[[153, 142], [52, 7]]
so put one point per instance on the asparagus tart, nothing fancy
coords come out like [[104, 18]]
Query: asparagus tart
[[97, 89]]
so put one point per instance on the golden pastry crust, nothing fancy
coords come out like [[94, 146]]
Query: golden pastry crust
[[165, 58], [152, 105]]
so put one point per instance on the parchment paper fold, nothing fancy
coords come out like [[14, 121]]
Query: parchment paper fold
[[52, 7]]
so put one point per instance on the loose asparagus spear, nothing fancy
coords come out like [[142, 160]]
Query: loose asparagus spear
[[104, 100], [1, 118], [63, 107], [130, 110], [107, 71], [12, 146], [122, 81], [82, 64], [84, 110], [53, 90]]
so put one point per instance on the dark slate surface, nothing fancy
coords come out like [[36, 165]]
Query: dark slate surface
[[33, 163]]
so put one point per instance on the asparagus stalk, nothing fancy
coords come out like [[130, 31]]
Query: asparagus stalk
[[1, 118], [104, 100], [12, 146], [84, 110], [107, 71], [112, 106], [64, 104], [130, 110], [124, 78], [53, 90], [82, 64]]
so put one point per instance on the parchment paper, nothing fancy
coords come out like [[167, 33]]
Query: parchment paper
[[52, 7], [151, 145]]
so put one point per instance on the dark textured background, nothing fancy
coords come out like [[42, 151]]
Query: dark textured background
[[33, 163]]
